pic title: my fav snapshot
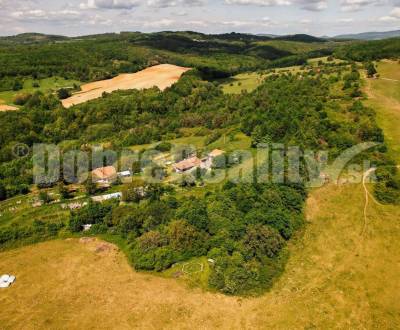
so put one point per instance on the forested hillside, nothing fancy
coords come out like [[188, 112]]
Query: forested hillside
[[100, 57], [370, 50]]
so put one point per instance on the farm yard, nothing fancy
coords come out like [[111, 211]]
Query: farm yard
[[162, 76]]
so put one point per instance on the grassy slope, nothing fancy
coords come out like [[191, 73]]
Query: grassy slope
[[244, 81], [46, 85], [19, 210], [250, 81], [384, 97]]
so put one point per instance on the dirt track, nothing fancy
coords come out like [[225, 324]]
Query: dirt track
[[162, 76]]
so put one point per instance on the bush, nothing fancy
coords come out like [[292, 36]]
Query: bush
[[163, 147], [22, 99], [63, 93], [93, 213], [44, 197], [18, 85], [212, 138]]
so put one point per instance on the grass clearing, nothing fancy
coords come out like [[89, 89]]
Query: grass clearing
[[46, 85], [389, 69], [243, 82], [250, 81], [194, 273]]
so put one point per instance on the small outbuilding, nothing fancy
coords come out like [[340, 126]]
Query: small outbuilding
[[103, 198]]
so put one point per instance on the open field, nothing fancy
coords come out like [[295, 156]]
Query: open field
[[250, 81], [243, 81], [335, 278], [389, 69], [45, 86], [384, 97], [162, 76]]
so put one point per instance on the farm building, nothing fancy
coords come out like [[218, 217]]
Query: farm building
[[103, 198], [187, 164], [194, 162], [124, 174], [104, 174]]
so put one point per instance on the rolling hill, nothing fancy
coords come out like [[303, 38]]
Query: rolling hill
[[369, 35]]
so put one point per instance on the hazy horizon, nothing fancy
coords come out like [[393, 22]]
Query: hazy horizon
[[281, 17]]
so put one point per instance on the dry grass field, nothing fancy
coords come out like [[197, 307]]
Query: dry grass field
[[162, 76], [384, 97], [335, 278]]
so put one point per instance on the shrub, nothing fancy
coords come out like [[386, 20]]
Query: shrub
[[63, 93], [163, 147], [22, 99]]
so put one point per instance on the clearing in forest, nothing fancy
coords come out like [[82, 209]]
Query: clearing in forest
[[162, 76]]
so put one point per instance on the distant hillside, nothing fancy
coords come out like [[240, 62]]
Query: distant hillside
[[32, 38], [370, 35], [294, 37], [301, 38], [370, 50]]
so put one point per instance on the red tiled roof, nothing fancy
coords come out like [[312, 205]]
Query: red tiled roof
[[104, 172], [187, 164]]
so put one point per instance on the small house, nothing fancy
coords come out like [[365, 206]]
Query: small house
[[187, 165]]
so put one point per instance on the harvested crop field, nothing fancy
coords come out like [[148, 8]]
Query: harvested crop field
[[4, 107], [162, 76]]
